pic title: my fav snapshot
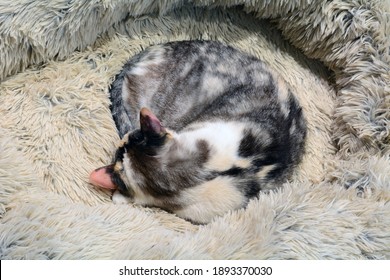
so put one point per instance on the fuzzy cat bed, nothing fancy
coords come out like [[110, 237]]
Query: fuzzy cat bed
[[57, 60]]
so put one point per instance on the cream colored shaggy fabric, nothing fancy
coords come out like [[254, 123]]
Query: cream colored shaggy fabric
[[57, 60]]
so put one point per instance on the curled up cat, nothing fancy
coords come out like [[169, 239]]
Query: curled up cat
[[204, 128]]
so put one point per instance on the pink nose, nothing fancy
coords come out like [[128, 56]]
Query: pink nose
[[101, 178]]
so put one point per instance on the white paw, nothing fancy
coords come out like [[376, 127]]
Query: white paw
[[118, 198]]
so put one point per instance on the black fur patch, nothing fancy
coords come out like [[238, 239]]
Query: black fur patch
[[118, 182], [119, 154], [234, 172], [252, 189], [247, 147]]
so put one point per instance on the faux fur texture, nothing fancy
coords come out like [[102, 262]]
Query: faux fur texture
[[57, 59]]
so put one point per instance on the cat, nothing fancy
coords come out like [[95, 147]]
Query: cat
[[204, 128]]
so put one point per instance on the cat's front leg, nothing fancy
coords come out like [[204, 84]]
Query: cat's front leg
[[119, 198]]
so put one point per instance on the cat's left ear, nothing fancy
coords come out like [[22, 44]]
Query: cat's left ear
[[150, 124]]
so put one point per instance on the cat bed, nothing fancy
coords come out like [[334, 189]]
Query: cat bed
[[57, 61]]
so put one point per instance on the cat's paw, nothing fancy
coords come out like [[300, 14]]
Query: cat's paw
[[119, 198]]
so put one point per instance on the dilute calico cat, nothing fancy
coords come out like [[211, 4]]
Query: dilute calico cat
[[205, 128]]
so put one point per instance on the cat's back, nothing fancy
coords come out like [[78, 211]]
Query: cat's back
[[187, 81]]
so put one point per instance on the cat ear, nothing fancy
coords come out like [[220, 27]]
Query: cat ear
[[150, 124]]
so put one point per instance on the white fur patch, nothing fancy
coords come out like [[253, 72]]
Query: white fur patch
[[213, 86], [224, 139], [155, 55], [283, 92], [124, 140], [293, 127], [210, 199], [125, 92], [263, 172], [118, 198], [243, 163], [283, 95]]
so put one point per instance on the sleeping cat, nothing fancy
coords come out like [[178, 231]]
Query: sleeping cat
[[205, 128]]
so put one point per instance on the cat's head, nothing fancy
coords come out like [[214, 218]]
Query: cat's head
[[152, 161]]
